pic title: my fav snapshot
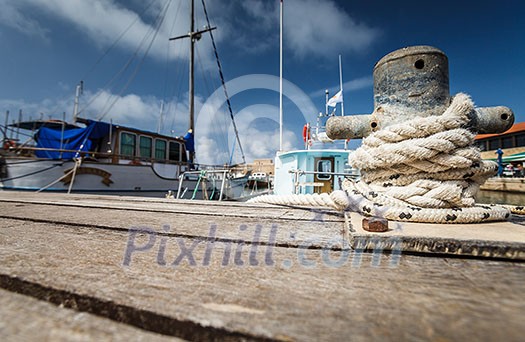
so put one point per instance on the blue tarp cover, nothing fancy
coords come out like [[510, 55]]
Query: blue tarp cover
[[76, 139]]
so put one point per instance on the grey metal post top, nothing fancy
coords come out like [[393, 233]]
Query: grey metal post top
[[410, 82]]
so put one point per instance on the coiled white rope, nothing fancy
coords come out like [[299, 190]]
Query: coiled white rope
[[422, 170], [516, 209]]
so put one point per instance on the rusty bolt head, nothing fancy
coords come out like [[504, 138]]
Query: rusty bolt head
[[375, 224]]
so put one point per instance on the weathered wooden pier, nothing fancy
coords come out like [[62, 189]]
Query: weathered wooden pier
[[87, 267]]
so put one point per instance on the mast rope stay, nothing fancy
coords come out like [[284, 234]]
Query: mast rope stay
[[126, 65], [160, 20], [223, 84]]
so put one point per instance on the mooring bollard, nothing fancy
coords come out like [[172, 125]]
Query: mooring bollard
[[410, 82]]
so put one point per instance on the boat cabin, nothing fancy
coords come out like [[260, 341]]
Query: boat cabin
[[102, 142], [311, 171]]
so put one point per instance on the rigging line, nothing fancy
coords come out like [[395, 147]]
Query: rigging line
[[118, 75], [160, 20], [114, 97], [109, 84], [32, 173], [169, 93], [168, 48], [184, 68], [118, 39], [176, 95], [223, 82], [219, 119], [222, 137], [12, 130], [203, 76]]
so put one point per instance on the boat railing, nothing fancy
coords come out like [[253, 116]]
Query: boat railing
[[95, 155], [202, 177], [298, 173]]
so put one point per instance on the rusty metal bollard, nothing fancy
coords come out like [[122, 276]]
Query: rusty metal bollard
[[410, 82]]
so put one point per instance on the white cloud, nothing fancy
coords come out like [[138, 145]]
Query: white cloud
[[258, 127], [257, 143], [260, 144], [355, 84], [13, 16], [103, 21], [207, 152], [129, 110], [312, 28], [320, 27], [264, 11], [213, 144]]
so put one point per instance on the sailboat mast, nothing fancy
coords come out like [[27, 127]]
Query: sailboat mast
[[192, 61], [281, 78], [343, 98], [341, 86], [193, 36], [80, 89]]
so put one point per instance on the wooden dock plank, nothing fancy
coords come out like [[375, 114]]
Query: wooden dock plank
[[248, 229], [159, 205], [27, 319], [491, 240], [305, 295]]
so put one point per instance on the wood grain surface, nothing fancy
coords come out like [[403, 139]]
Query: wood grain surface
[[93, 267]]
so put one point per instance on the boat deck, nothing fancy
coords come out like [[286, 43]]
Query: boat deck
[[78, 267]]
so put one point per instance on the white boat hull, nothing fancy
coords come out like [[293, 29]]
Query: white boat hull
[[105, 178]]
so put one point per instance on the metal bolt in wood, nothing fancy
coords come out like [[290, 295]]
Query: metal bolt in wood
[[375, 224]]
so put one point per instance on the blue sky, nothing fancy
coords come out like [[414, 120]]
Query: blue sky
[[48, 46]]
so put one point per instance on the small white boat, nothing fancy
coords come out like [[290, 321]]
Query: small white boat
[[311, 171]]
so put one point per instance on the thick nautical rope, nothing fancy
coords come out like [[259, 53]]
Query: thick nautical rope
[[516, 209], [422, 170]]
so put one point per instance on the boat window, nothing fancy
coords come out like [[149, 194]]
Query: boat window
[[128, 142], [160, 149], [145, 146], [324, 166], [174, 151]]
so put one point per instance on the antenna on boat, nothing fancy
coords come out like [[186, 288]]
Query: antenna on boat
[[281, 77], [341, 86], [160, 123], [80, 90], [194, 36], [343, 98], [326, 94], [19, 121], [6, 123]]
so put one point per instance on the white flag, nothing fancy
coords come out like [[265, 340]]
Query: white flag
[[334, 100]]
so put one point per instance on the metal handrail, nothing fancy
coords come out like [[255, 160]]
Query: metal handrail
[[98, 154], [182, 176], [301, 172]]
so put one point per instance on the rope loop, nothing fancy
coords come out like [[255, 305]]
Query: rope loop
[[424, 170]]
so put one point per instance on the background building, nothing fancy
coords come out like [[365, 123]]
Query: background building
[[512, 142], [263, 165]]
